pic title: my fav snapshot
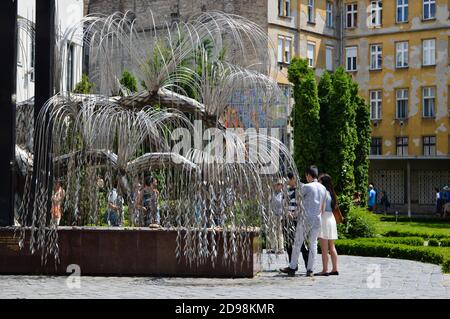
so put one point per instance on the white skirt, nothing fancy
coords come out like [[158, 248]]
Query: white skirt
[[328, 229]]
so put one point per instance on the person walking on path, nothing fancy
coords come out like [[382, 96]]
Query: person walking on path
[[313, 199], [328, 230]]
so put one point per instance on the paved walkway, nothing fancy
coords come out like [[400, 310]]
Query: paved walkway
[[360, 277]]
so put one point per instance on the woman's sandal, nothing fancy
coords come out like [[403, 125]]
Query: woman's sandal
[[333, 273]]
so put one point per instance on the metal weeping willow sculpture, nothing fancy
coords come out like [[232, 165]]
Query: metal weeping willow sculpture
[[189, 72]]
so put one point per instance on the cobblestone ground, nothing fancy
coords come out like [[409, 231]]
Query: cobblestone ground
[[360, 277]]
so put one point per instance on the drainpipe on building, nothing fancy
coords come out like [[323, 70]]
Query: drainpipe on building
[[341, 32], [408, 186]]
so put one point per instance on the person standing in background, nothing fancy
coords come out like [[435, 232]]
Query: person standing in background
[[57, 198], [328, 230], [313, 199], [115, 206], [372, 198], [290, 220], [277, 207]]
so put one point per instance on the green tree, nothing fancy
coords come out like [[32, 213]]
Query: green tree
[[325, 90], [305, 115], [84, 86], [341, 137], [128, 81], [362, 147]]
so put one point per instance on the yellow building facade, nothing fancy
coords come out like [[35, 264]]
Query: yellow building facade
[[398, 53]]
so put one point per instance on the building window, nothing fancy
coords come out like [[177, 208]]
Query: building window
[[429, 145], [402, 145], [429, 9], [329, 58], [402, 104], [376, 56], [70, 66], [401, 54], [351, 16], [375, 146], [402, 10], [32, 59], [351, 53], [287, 50], [284, 49], [280, 49], [429, 52], [311, 11], [429, 100], [284, 8], [311, 53], [329, 14], [375, 105], [376, 13]]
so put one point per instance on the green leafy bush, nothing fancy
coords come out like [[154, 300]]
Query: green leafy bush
[[446, 266], [399, 251], [128, 81], [445, 242], [433, 242], [84, 86], [305, 114], [410, 241], [357, 223], [407, 233]]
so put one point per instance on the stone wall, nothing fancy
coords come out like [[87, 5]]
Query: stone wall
[[167, 11]]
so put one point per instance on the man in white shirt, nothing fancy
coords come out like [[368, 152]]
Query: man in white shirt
[[313, 200]]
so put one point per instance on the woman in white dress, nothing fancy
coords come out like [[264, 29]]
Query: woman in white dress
[[328, 231]]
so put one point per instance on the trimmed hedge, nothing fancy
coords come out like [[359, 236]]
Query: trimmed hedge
[[390, 250], [445, 242], [396, 233], [433, 242], [410, 241]]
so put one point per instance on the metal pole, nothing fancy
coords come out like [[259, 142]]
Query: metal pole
[[45, 43], [408, 185], [8, 55]]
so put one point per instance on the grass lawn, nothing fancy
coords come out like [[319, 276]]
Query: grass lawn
[[432, 228]]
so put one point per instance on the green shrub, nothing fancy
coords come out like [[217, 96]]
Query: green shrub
[[374, 249], [446, 266], [84, 86], [433, 242], [410, 241], [445, 242], [358, 223], [407, 233], [128, 81]]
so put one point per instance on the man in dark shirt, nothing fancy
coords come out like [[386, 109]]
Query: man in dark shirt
[[290, 221]]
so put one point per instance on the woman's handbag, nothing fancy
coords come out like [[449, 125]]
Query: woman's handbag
[[338, 215]]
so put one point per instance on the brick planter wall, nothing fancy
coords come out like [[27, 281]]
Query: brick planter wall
[[120, 252]]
